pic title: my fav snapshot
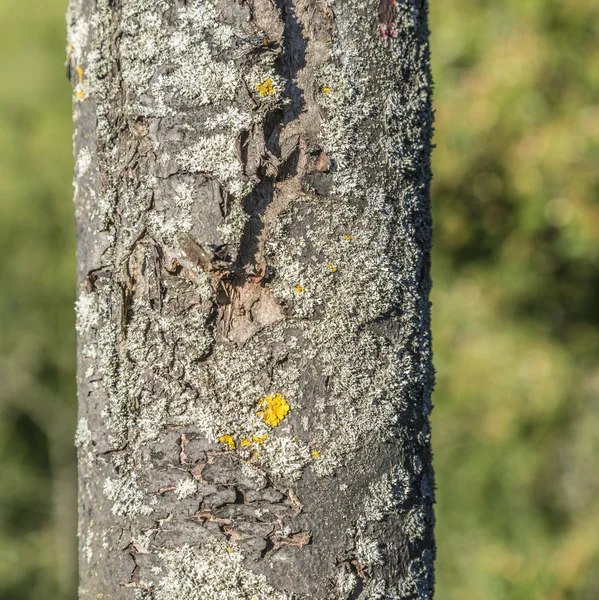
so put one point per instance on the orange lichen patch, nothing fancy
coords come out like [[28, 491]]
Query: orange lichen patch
[[80, 94], [79, 74], [275, 408], [332, 267], [265, 88], [245, 442], [350, 238], [326, 90], [299, 289], [228, 548], [259, 439], [227, 439], [315, 453]]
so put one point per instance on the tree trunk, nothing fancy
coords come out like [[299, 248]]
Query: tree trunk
[[252, 200]]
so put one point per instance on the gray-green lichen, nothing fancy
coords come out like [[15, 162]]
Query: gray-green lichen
[[214, 572]]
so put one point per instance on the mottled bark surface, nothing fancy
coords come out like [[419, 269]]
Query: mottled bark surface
[[252, 185]]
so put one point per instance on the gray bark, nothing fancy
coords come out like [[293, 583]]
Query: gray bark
[[252, 201]]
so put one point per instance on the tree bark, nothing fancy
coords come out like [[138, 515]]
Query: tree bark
[[254, 366]]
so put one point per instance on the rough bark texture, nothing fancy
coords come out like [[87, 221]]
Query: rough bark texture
[[252, 185]]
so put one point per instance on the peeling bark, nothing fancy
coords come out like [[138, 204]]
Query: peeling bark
[[252, 201]]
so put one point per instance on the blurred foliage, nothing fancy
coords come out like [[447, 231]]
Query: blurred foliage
[[37, 274], [515, 307], [516, 320]]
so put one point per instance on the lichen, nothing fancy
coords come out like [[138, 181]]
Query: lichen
[[273, 409], [83, 435], [265, 88], [284, 457], [127, 495], [86, 309], [214, 571], [186, 488], [227, 439]]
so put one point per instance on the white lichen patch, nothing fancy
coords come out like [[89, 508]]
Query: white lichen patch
[[83, 162], [86, 309], [416, 521], [214, 571], [179, 65], [231, 118], [346, 583], [387, 495], [127, 495], [83, 435], [216, 155], [186, 488], [284, 457], [88, 552], [347, 108], [232, 227], [367, 550]]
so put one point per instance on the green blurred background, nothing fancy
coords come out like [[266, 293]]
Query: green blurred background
[[516, 318]]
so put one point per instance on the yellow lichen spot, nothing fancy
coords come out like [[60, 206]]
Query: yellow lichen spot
[[245, 442], [227, 439], [265, 88], [259, 439], [275, 409], [79, 94], [332, 267], [299, 289], [315, 453], [350, 238], [326, 90]]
